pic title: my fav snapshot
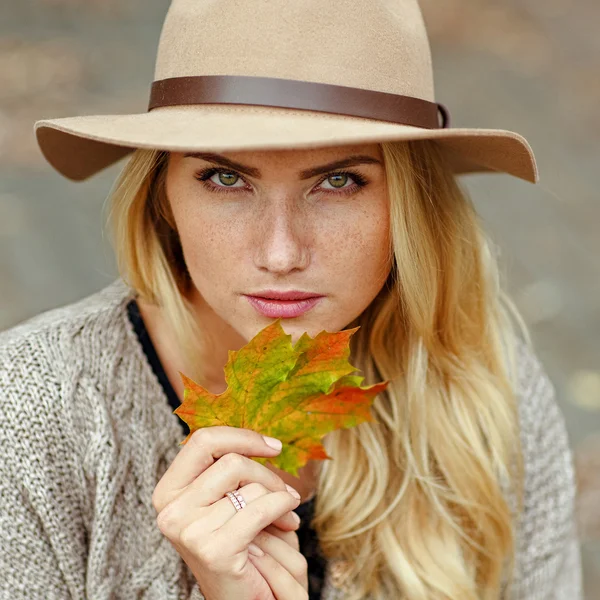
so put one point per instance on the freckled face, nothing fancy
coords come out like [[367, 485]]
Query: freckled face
[[271, 224]]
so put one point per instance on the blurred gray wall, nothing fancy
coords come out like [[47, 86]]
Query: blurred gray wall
[[532, 66]]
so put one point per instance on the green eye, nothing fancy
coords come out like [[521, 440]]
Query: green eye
[[338, 181], [228, 178]]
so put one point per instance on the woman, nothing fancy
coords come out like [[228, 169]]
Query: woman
[[290, 165]]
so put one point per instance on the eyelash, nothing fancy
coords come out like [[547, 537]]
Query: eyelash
[[206, 174]]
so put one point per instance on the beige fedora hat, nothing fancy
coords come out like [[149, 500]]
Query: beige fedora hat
[[266, 74]]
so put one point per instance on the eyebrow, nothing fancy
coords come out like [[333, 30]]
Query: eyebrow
[[350, 161]]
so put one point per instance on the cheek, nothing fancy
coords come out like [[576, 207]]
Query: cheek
[[208, 244], [359, 251]]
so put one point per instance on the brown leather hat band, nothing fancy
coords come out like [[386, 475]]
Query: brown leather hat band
[[303, 95]]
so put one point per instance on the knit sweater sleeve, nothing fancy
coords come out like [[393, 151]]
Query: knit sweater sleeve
[[549, 563], [43, 539]]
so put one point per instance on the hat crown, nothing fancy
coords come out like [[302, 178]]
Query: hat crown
[[379, 45]]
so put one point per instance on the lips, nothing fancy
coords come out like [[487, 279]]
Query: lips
[[285, 305], [289, 295]]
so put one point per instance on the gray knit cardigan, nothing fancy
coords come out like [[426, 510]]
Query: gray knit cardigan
[[86, 433]]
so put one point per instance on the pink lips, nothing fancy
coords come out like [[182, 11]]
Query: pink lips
[[285, 305]]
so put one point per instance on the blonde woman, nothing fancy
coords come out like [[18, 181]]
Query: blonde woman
[[292, 164]]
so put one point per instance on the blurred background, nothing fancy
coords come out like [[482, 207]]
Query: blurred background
[[532, 66]]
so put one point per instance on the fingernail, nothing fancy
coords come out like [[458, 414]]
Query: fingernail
[[296, 517], [292, 491], [272, 442], [255, 550]]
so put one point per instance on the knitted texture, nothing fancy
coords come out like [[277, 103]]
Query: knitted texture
[[86, 433]]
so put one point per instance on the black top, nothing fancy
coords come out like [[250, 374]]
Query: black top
[[307, 537]]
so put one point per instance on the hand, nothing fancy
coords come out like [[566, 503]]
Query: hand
[[211, 536], [280, 550]]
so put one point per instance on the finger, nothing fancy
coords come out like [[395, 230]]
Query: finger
[[282, 583], [289, 557], [186, 509], [200, 452], [289, 523], [230, 472], [223, 510], [289, 537], [177, 515], [240, 530]]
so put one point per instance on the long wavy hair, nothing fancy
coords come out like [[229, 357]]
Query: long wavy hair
[[420, 506]]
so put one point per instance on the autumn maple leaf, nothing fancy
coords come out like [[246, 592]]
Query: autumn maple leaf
[[295, 393]]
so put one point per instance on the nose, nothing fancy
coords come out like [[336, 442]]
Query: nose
[[282, 239]]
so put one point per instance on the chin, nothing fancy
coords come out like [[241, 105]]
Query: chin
[[296, 327]]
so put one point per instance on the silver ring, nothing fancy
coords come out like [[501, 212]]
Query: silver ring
[[236, 499]]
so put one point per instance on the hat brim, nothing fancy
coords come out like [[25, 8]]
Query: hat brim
[[79, 147]]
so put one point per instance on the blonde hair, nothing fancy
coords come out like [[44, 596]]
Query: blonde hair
[[419, 507]]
